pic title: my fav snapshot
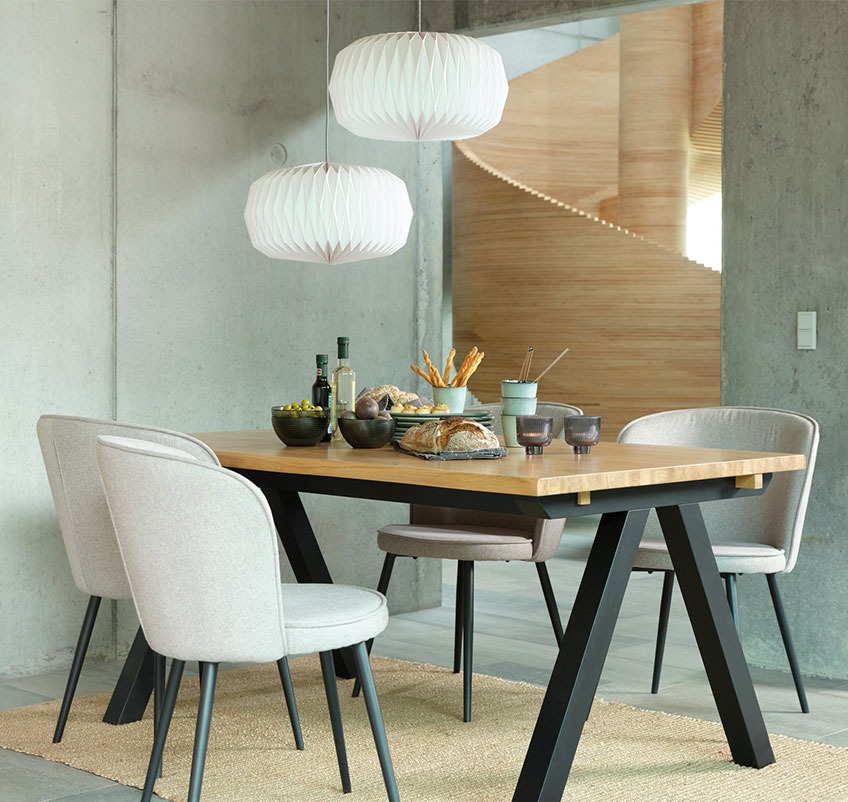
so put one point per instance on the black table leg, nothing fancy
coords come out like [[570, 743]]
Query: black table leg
[[718, 640], [304, 554], [577, 670], [134, 686]]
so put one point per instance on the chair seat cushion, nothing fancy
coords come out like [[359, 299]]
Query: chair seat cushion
[[322, 617], [731, 558], [455, 542]]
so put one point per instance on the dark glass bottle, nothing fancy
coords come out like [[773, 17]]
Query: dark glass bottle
[[321, 394]]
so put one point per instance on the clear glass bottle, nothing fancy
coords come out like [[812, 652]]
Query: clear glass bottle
[[322, 394], [343, 386]]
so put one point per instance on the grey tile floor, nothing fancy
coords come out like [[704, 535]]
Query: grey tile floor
[[513, 639]]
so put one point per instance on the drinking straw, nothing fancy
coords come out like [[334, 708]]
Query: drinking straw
[[552, 364], [525, 365]]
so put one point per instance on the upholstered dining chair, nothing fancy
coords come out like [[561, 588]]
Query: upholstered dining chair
[[68, 447], [469, 537], [200, 550], [757, 535], [553, 409]]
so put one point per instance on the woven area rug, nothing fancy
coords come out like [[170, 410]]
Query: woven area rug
[[626, 754]]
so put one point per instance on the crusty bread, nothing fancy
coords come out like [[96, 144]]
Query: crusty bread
[[397, 395], [448, 434]]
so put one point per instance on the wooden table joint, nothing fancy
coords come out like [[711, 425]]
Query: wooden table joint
[[752, 481]]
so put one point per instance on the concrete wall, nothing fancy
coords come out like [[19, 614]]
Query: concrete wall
[[785, 244], [128, 286], [785, 173]]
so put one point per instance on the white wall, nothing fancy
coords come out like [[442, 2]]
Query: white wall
[[164, 314]]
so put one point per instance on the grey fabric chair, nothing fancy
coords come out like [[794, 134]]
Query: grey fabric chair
[[469, 537], [68, 447], [553, 409], [200, 550], [758, 535]]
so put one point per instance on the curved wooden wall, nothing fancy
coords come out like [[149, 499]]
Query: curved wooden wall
[[642, 323], [559, 131], [534, 265]]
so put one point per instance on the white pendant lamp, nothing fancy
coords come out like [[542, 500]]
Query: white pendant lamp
[[418, 86], [328, 213]]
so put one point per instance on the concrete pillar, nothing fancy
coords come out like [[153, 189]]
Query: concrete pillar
[[654, 125]]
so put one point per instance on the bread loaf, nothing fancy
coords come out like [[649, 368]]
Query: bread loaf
[[396, 395], [448, 434]]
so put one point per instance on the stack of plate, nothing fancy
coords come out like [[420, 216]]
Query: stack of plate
[[404, 421]]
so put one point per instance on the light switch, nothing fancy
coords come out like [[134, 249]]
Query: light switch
[[806, 331]]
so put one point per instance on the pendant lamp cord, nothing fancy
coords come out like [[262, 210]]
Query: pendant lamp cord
[[327, 90], [419, 16]]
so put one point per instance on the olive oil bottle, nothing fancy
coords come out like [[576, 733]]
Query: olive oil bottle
[[343, 386]]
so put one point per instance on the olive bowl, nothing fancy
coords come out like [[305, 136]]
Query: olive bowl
[[299, 428], [370, 433]]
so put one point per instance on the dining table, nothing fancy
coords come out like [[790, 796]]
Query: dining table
[[619, 482]]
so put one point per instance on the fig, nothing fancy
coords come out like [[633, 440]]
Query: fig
[[348, 414], [366, 408], [384, 414]]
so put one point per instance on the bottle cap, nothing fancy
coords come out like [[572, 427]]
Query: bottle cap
[[321, 359], [344, 346]]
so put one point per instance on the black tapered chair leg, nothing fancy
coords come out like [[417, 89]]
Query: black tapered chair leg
[[291, 704], [382, 587], [158, 697], [783, 625], [328, 672], [459, 614], [167, 712], [76, 664], [550, 600], [732, 598], [467, 637], [201, 731], [662, 628], [375, 716]]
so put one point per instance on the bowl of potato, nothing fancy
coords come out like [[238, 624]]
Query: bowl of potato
[[366, 426], [300, 423]]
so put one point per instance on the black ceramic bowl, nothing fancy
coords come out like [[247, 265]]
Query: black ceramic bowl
[[373, 433], [306, 429]]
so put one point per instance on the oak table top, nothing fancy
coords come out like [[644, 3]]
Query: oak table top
[[557, 471]]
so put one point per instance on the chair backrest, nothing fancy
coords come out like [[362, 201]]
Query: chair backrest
[[775, 518], [199, 547], [552, 409], [546, 534], [68, 448]]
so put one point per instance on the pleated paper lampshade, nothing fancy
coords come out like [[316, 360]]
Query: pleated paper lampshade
[[417, 86], [328, 213]]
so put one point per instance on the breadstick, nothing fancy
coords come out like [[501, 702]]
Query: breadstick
[[420, 372], [428, 363], [434, 371], [448, 366], [472, 367], [464, 366]]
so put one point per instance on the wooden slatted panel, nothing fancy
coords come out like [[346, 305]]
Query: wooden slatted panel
[[707, 31], [705, 158], [559, 130], [642, 322]]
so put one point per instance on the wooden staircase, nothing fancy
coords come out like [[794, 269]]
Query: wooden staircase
[[538, 259]]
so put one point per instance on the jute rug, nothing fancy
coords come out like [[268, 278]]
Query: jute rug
[[626, 754]]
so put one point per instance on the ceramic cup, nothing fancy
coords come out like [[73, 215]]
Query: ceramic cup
[[454, 397], [517, 398]]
